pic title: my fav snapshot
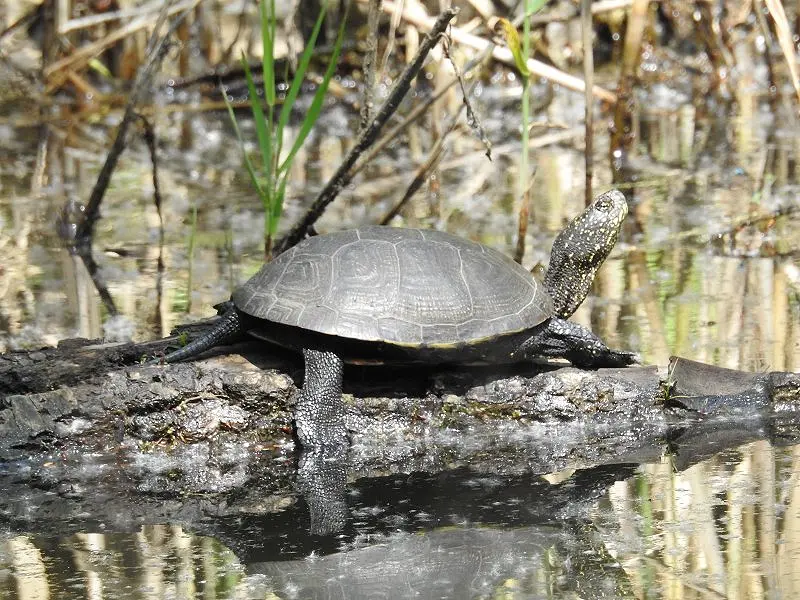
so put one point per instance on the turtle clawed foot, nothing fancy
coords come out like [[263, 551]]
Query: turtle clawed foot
[[615, 358], [606, 359], [623, 359]]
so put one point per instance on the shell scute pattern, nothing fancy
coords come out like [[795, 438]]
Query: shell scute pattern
[[403, 286]]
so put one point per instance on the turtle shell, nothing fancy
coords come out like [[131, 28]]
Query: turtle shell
[[408, 287]]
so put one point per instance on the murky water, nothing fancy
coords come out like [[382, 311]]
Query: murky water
[[723, 527], [703, 270]]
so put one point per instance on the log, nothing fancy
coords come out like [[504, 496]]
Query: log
[[90, 437]]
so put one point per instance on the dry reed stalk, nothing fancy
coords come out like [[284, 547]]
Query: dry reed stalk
[[784, 39], [501, 53], [633, 38], [369, 66], [394, 23], [151, 8], [57, 71], [602, 6]]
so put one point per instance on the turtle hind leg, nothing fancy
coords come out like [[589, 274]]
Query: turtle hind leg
[[559, 338], [320, 413]]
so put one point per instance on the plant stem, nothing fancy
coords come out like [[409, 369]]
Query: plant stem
[[524, 168], [192, 239], [588, 77], [526, 52]]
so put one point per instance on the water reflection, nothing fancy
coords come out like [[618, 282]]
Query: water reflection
[[726, 528], [158, 561], [716, 516]]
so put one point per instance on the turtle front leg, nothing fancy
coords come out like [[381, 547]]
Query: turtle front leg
[[559, 338], [319, 415]]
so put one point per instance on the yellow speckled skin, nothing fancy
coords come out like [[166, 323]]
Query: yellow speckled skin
[[580, 249]]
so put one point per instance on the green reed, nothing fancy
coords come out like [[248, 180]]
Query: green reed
[[271, 176]]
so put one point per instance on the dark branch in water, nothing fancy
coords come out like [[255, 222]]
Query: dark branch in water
[[343, 176], [82, 244], [155, 53], [150, 140]]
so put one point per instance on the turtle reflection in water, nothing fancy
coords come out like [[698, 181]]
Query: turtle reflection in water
[[383, 294]]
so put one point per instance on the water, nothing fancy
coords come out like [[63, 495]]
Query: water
[[723, 526], [702, 271]]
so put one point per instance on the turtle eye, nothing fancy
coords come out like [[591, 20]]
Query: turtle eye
[[603, 204]]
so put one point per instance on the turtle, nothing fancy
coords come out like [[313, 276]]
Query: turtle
[[396, 295]]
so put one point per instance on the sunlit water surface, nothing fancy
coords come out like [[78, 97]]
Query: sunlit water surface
[[726, 527], [689, 278]]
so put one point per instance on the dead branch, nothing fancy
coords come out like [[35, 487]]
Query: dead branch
[[342, 176]]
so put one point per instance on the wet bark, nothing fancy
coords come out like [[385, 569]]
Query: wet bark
[[250, 388]]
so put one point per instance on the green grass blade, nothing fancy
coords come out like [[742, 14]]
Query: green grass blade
[[263, 128], [248, 164], [302, 67], [268, 46], [316, 104], [277, 207], [534, 6]]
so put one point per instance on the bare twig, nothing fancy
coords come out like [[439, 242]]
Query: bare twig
[[473, 120], [559, 137], [434, 156], [150, 140], [150, 9], [411, 117], [342, 175], [240, 24], [522, 219], [737, 224], [85, 229], [155, 54]]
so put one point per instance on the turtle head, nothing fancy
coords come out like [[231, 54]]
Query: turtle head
[[581, 248]]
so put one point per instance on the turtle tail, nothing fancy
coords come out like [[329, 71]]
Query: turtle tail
[[228, 326]]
